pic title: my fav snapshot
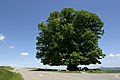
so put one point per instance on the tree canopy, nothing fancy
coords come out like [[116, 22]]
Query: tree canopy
[[70, 37]]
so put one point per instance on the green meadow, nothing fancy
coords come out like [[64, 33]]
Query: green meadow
[[6, 74]]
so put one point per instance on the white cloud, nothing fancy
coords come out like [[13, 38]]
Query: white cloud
[[24, 53], [2, 37], [114, 55], [118, 55], [11, 47], [111, 55]]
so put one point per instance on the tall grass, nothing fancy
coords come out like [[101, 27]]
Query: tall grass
[[8, 75]]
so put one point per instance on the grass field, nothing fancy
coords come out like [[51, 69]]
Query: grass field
[[96, 71], [6, 67], [5, 74], [102, 71]]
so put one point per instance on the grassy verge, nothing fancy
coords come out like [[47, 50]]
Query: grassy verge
[[5, 74], [6, 67], [53, 70], [96, 71], [102, 71]]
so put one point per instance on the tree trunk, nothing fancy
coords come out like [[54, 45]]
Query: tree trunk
[[72, 67]]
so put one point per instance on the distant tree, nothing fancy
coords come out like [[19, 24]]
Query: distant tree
[[70, 37]]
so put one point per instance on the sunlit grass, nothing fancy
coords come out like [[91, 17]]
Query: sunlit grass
[[96, 71], [5, 74], [6, 67], [102, 71]]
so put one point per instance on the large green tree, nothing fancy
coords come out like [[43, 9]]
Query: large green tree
[[70, 37]]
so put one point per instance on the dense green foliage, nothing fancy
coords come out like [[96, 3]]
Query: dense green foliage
[[70, 37], [5, 74]]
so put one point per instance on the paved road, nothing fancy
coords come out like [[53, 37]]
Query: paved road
[[42, 75]]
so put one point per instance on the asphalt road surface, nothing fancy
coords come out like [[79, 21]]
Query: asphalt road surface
[[44, 75]]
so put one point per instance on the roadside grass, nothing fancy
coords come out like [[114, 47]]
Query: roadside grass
[[53, 70], [94, 71], [113, 71], [6, 67], [5, 74]]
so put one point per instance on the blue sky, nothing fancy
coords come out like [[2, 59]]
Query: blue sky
[[19, 20]]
